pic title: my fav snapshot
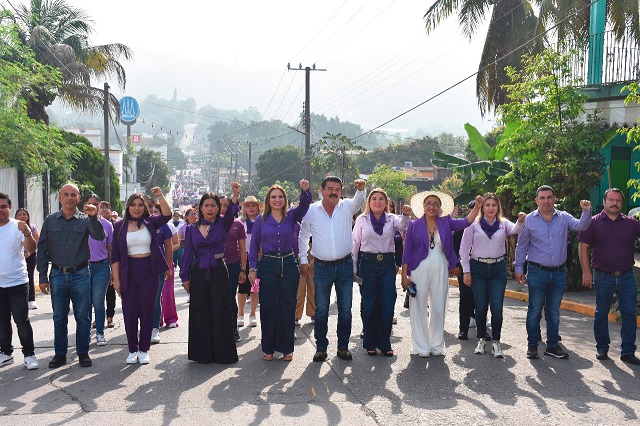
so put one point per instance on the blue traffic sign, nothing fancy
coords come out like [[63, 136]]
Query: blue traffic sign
[[129, 109]]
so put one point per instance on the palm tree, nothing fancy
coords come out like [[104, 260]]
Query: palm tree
[[59, 36], [516, 27]]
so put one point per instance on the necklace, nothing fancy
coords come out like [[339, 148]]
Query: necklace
[[432, 234]]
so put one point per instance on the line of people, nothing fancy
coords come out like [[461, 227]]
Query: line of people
[[268, 255]]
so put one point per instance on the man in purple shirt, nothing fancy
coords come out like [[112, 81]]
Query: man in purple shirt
[[543, 244], [611, 236]]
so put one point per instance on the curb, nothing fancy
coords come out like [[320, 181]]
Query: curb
[[567, 305]]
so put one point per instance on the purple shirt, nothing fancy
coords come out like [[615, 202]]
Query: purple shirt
[[611, 242], [98, 248], [416, 242], [201, 249], [164, 233], [275, 236], [231, 249], [546, 242]]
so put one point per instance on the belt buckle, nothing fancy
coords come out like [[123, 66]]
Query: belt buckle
[[64, 270], [617, 273], [379, 257]]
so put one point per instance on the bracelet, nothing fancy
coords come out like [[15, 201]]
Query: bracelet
[[252, 269], [28, 235], [242, 272]]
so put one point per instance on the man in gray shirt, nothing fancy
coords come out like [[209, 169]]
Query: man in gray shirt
[[64, 243]]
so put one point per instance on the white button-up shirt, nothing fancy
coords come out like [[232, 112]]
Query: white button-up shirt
[[331, 234]]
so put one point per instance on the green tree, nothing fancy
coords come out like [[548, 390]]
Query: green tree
[[417, 151], [152, 170], [59, 36], [284, 164], [333, 155], [514, 24], [633, 133], [392, 181], [87, 171], [25, 144], [451, 185], [451, 144], [293, 190], [175, 157]]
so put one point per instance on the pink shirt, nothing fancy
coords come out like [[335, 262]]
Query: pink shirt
[[476, 243], [366, 240]]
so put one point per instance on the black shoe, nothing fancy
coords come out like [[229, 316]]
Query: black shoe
[[630, 359], [58, 361], [345, 355], [84, 360], [320, 356], [602, 355], [236, 336], [463, 335], [556, 352], [532, 352], [559, 338], [362, 335]]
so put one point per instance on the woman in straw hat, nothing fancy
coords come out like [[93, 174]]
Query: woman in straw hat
[[278, 270], [373, 236], [251, 208], [427, 259]]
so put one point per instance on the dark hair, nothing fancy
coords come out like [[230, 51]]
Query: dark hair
[[157, 206], [126, 217], [4, 196], [391, 206], [204, 198], [105, 204], [544, 188], [616, 190], [28, 222], [92, 195], [334, 179], [187, 212]]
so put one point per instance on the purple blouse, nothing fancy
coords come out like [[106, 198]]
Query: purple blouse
[[276, 236], [201, 249]]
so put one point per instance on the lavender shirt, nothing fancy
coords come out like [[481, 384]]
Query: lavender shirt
[[546, 242], [201, 249], [276, 236], [98, 248]]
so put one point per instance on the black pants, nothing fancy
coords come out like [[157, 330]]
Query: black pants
[[467, 305], [14, 301], [111, 301], [31, 267]]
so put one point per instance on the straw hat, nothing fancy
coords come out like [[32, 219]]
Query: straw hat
[[417, 203], [251, 199]]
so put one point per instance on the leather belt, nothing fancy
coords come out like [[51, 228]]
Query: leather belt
[[98, 261], [488, 260], [378, 256], [69, 269], [278, 254], [333, 262], [547, 268], [616, 273]]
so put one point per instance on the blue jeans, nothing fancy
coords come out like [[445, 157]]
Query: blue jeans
[[74, 288], [324, 277], [626, 289], [234, 274], [278, 292], [157, 312], [100, 277], [378, 300], [545, 292], [177, 257], [488, 283]]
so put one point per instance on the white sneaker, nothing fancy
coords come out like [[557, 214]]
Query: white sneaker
[[188, 297], [5, 359], [173, 325], [480, 348], [472, 323], [437, 352], [155, 336], [424, 355], [143, 357], [253, 322], [295, 335], [496, 350], [31, 362], [33, 305], [100, 340], [241, 321], [132, 358]]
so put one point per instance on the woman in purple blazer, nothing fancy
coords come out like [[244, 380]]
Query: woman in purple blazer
[[427, 261], [136, 263]]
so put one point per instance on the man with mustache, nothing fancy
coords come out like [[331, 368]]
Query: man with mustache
[[329, 221], [610, 236]]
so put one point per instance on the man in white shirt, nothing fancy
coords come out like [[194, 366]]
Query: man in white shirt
[[329, 221], [15, 236]]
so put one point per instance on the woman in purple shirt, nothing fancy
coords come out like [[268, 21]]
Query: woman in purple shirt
[[205, 277], [23, 215], [278, 272], [427, 260]]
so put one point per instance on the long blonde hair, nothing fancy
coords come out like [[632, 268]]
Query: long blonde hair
[[492, 196], [367, 208]]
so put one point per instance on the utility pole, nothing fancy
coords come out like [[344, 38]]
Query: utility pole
[[307, 116], [107, 169]]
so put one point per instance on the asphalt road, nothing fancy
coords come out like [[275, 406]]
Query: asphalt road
[[459, 389]]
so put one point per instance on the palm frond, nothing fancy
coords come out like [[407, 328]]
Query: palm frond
[[438, 12]]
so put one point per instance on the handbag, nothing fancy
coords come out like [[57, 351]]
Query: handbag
[[255, 287], [406, 300]]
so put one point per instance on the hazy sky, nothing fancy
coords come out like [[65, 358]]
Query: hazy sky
[[233, 55]]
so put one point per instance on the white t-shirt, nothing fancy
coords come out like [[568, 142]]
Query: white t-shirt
[[13, 266]]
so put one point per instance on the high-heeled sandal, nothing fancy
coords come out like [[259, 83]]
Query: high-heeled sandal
[[372, 352], [387, 353], [287, 357], [110, 323], [267, 357]]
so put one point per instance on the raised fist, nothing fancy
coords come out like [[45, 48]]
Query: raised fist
[[304, 184], [156, 192], [521, 217], [359, 184], [406, 210], [585, 204]]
